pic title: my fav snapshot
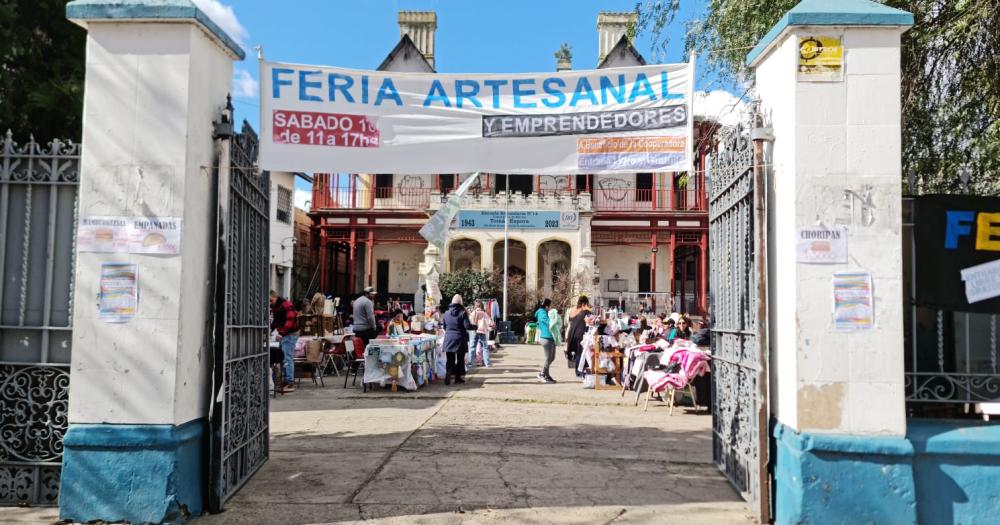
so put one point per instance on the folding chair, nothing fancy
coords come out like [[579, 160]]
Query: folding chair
[[692, 365], [355, 363], [338, 360], [649, 360]]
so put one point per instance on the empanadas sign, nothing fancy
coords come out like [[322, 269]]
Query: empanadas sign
[[150, 235]]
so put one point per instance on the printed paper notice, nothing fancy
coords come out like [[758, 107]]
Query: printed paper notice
[[119, 299], [853, 305], [158, 236], [821, 58], [130, 235], [103, 234], [821, 245], [982, 281]]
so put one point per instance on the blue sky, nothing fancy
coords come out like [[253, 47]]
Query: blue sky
[[472, 36]]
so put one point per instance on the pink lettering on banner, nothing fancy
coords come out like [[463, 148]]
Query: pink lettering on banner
[[324, 129]]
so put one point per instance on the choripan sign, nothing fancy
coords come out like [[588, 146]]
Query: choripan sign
[[599, 121]]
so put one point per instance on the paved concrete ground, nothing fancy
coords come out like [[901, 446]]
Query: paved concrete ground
[[502, 448]]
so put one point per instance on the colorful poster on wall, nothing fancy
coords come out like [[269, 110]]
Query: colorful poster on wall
[[556, 123], [821, 245], [821, 58], [119, 294], [103, 234], [517, 220], [156, 235], [853, 301], [957, 252]]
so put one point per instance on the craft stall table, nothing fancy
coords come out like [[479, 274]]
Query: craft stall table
[[404, 361]]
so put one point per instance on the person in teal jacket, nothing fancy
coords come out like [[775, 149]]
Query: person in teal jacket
[[545, 336]]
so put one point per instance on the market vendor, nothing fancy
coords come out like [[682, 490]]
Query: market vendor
[[398, 326], [364, 324], [283, 321]]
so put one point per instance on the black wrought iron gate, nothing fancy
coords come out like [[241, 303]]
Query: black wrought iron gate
[[38, 211], [239, 410], [737, 251]]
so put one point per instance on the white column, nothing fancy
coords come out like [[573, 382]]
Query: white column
[[152, 92], [531, 263], [486, 254], [836, 140], [157, 76]]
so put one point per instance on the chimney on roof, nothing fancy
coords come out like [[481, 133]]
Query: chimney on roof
[[610, 28], [420, 25]]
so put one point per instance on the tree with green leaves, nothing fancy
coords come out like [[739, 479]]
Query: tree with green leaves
[[470, 284], [950, 78], [42, 64]]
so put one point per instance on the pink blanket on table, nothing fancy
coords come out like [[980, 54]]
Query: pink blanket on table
[[693, 364]]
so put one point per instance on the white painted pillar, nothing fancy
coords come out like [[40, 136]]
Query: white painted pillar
[[157, 76], [486, 254], [837, 395], [531, 263], [836, 139]]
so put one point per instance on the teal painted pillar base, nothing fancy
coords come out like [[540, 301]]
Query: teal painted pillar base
[[830, 479], [957, 470], [134, 473]]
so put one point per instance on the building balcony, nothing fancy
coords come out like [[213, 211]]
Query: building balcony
[[611, 195]]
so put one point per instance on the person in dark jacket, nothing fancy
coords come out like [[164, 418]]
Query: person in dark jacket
[[283, 320], [577, 329], [456, 339]]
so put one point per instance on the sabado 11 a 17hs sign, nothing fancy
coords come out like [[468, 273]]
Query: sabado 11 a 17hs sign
[[601, 121]]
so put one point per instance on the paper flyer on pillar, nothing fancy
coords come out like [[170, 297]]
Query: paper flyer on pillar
[[119, 295], [853, 301], [612, 120]]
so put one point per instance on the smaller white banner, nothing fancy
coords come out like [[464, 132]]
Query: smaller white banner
[[982, 281], [149, 235], [821, 245]]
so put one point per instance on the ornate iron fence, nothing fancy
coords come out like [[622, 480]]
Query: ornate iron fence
[[737, 249], [951, 357], [239, 413], [38, 211]]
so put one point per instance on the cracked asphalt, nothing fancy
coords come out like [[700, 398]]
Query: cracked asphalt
[[503, 448]]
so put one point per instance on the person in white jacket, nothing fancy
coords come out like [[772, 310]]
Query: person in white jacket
[[481, 338]]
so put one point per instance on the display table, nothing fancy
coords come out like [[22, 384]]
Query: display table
[[406, 361]]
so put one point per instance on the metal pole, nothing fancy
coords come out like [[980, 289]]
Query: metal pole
[[506, 208]]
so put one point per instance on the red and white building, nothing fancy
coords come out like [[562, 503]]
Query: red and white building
[[640, 234]]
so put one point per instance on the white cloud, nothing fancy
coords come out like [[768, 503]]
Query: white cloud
[[225, 18], [719, 105], [302, 198], [244, 85]]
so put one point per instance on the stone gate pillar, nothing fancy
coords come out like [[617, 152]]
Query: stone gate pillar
[[157, 75], [828, 77]]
